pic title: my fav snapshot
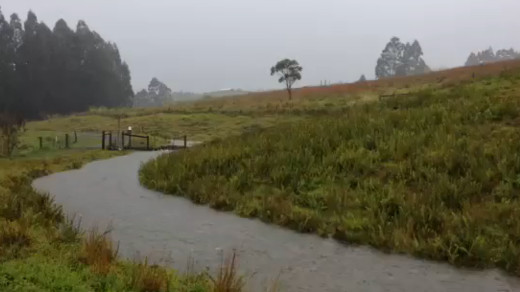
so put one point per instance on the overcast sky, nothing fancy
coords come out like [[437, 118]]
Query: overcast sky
[[204, 45]]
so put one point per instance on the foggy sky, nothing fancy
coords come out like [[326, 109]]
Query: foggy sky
[[196, 45]]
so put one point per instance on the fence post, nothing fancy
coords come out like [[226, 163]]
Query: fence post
[[123, 140], [129, 139], [75, 137], [185, 141], [41, 142], [66, 140], [147, 142], [103, 140], [110, 140]]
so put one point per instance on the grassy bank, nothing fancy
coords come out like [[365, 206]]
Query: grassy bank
[[198, 127], [41, 250], [435, 174]]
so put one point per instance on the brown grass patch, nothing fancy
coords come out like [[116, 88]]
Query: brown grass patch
[[278, 100], [98, 252], [148, 278], [14, 233]]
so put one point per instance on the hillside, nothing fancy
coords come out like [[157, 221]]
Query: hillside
[[215, 118], [434, 173]]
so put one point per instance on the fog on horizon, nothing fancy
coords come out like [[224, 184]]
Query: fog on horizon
[[208, 45]]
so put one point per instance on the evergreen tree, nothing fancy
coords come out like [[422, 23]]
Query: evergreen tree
[[33, 64], [413, 63], [11, 108], [362, 78], [399, 59], [472, 60], [504, 55], [16, 26], [157, 94], [390, 61], [44, 71], [7, 67], [488, 56], [59, 71]]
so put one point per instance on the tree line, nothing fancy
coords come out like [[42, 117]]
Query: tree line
[[397, 59], [157, 94], [489, 56], [58, 71]]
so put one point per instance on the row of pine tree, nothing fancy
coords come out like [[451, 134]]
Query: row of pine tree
[[44, 71]]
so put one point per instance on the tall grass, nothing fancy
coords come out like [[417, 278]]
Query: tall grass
[[435, 174], [227, 278], [98, 252], [148, 278]]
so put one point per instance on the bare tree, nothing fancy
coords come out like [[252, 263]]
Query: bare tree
[[289, 72]]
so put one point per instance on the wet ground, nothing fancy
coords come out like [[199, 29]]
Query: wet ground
[[173, 230]]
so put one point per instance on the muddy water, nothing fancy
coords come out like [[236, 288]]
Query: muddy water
[[173, 229]]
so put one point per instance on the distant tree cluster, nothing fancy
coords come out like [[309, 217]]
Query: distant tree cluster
[[157, 94], [44, 71], [489, 56], [399, 59]]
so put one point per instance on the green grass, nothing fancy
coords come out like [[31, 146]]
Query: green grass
[[435, 174], [198, 127], [42, 251]]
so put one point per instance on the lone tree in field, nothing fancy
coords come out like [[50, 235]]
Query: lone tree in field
[[289, 72]]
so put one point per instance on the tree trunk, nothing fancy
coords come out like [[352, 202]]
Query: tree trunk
[[289, 91]]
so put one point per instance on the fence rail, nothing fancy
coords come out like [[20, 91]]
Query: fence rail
[[384, 96], [129, 140], [107, 140], [67, 140]]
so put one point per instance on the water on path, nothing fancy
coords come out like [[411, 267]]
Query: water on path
[[148, 223]]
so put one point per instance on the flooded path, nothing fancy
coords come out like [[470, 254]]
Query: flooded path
[[172, 229]]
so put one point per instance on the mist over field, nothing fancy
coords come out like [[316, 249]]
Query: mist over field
[[378, 125], [208, 45]]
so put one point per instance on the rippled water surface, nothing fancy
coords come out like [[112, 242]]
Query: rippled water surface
[[173, 229]]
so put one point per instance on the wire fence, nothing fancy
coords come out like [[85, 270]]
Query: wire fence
[[68, 140], [32, 142], [110, 140]]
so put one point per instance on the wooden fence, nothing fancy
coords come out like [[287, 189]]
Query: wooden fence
[[130, 141]]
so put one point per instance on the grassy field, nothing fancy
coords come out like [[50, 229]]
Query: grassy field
[[435, 174], [216, 118], [198, 127]]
